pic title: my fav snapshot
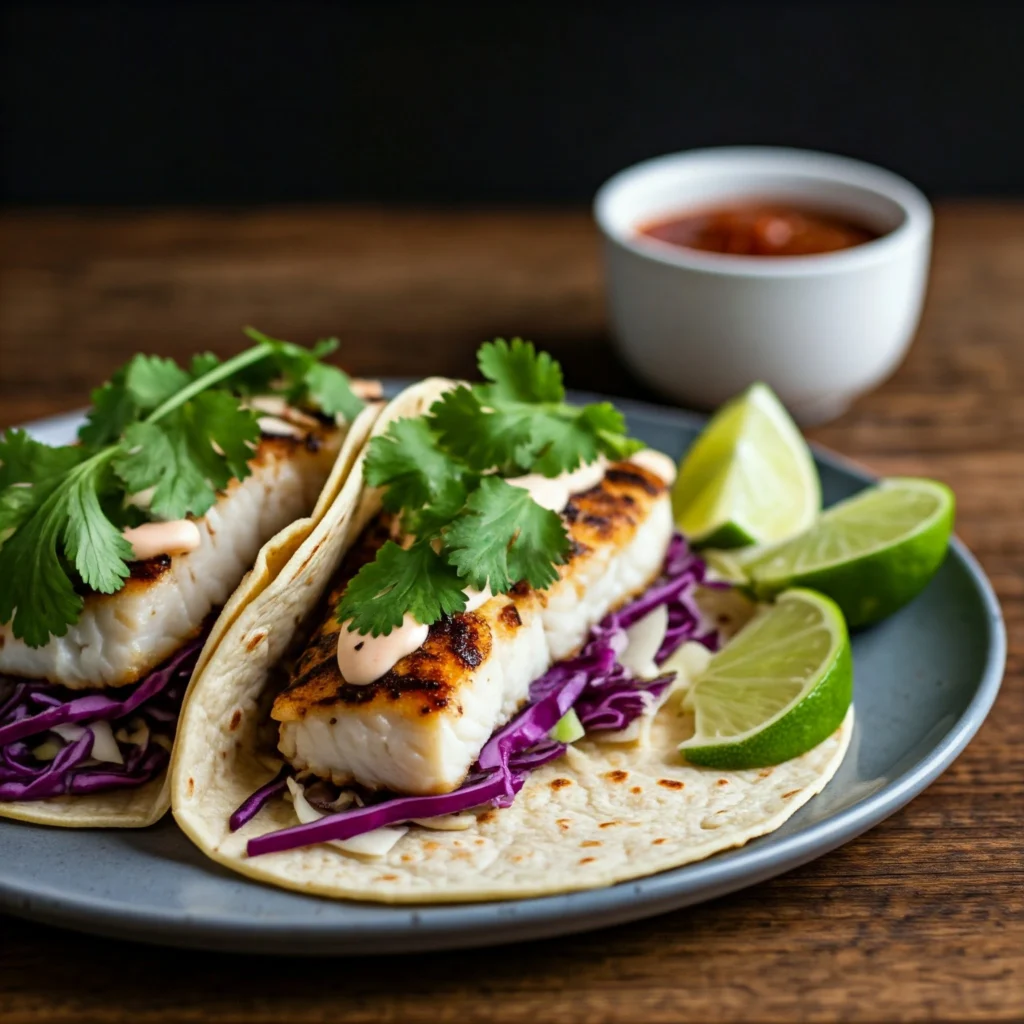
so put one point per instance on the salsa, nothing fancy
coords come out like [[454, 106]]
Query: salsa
[[760, 229]]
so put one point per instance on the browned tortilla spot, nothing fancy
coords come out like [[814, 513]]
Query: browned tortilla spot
[[670, 783], [255, 641]]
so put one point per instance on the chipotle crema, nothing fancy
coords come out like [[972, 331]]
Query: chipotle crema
[[759, 229]]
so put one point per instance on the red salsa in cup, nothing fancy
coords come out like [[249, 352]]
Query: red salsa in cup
[[760, 229]]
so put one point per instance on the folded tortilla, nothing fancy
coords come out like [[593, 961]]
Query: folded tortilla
[[139, 806], [602, 814]]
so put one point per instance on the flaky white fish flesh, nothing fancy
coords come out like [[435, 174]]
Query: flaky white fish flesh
[[420, 727], [121, 637]]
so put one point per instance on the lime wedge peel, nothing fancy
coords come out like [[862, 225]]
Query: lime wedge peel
[[871, 553], [782, 686], [749, 478]]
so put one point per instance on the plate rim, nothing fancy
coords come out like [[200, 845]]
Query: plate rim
[[448, 926]]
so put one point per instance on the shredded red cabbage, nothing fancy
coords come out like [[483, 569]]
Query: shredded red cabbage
[[30, 709], [489, 789], [594, 684], [255, 803]]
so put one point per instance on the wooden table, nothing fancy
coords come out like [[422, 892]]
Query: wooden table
[[923, 918]]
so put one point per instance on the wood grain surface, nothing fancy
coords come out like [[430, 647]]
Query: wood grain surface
[[921, 919]]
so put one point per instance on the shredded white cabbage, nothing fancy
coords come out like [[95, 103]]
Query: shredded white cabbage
[[104, 746], [688, 662], [370, 844], [447, 822]]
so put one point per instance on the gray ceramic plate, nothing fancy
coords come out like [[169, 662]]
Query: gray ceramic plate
[[925, 680]]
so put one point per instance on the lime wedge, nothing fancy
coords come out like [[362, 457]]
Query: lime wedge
[[749, 478], [781, 686], [871, 554]]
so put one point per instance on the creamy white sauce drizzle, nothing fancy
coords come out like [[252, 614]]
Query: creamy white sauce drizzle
[[362, 659], [173, 538], [366, 389], [655, 462], [554, 492]]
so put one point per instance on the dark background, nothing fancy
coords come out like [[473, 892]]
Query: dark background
[[495, 102]]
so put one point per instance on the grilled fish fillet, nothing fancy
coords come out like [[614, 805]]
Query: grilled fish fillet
[[419, 728], [120, 638]]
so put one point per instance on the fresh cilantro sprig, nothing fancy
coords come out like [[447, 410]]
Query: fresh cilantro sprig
[[186, 433], [519, 421], [443, 474]]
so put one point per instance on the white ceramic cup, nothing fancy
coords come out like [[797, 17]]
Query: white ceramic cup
[[819, 329]]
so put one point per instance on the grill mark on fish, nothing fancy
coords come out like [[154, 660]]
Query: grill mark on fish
[[148, 570], [576, 549], [510, 617], [636, 477], [462, 633]]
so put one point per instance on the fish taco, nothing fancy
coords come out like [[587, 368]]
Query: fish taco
[[122, 555], [469, 681]]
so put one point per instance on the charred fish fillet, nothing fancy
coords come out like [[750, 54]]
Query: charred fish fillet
[[419, 728], [121, 637]]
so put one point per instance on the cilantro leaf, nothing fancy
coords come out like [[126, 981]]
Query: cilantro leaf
[[305, 378], [483, 438], [91, 541], [202, 364], [177, 455], [113, 408], [562, 442], [151, 380], [329, 389], [29, 470], [407, 460], [504, 536], [519, 422], [24, 460], [608, 426], [416, 580], [17, 503], [216, 419], [431, 520], [565, 438], [35, 588], [518, 373]]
